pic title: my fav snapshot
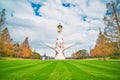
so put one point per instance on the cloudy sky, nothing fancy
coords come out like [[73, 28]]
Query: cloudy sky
[[38, 19]]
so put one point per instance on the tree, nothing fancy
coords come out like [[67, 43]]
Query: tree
[[112, 29], [9, 50], [25, 48], [83, 53], [76, 55], [80, 54], [2, 46], [2, 20], [103, 47], [6, 47], [36, 55]]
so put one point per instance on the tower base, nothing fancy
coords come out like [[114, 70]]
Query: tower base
[[60, 56]]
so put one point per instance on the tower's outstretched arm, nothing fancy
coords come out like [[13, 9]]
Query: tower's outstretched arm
[[52, 46], [66, 46]]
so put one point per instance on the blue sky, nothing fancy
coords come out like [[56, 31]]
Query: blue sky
[[38, 19]]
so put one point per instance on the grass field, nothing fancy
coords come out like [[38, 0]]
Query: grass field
[[59, 70]]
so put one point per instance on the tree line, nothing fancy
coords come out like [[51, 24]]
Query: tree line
[[108, 41], [9, 49]]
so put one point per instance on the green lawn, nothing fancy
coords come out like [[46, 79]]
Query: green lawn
[[59, 70]]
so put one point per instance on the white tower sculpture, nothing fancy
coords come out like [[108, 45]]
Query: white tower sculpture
[[59, 47]]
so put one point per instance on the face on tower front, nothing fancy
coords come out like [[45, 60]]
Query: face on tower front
[[59, 27]]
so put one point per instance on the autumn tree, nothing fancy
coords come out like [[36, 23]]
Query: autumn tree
[[103, 47], [25, 49], [112, 29], [6, 47], [2, 46], [2, 21]]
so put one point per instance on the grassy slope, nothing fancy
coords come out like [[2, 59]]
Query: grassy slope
[[59, 70]]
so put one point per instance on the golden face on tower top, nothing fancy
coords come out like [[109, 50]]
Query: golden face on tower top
[[59, 27]]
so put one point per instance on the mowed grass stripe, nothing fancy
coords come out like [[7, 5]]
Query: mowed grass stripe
[[96, 71], [27, 73], [4, 64], [111, 64], [39, 73], [17, 67], [92, 71], [44, 73], [61, 72], [103, 67], [11, 63], [78, 73]]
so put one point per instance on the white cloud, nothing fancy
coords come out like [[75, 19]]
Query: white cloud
[[43, 29]]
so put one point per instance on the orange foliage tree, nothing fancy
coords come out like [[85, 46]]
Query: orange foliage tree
[[103, 47]]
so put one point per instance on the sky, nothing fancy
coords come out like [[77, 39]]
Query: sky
[[38, 20]]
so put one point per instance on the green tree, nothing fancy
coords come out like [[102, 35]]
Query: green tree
[[36, 55], [83, 53], [80, 54]]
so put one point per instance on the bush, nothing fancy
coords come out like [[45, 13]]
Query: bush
[[115, 57]]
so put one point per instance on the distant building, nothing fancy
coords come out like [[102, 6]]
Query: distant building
[[45, 57]]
